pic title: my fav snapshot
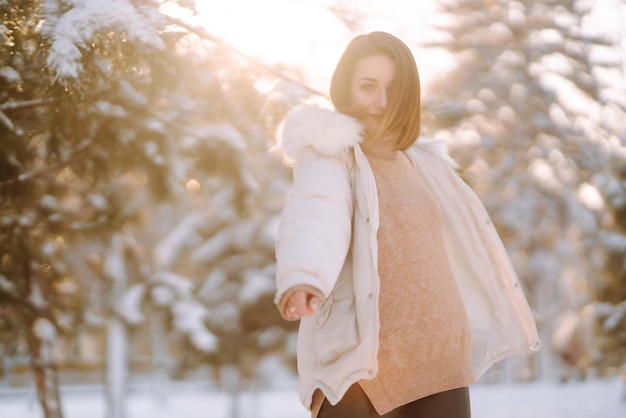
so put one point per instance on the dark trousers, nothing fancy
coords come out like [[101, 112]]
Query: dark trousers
[[453, 403]]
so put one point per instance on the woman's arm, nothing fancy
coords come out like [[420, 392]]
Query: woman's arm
[[314, 233]]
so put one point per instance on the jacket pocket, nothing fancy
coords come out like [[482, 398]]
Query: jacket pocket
[[337, 331]]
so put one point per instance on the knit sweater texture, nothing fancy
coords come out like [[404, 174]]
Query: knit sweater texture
[[424, 333]]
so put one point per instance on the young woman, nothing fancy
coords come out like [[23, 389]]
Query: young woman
[[403, 287]]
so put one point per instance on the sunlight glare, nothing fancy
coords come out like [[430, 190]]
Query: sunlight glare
[[306, 35], [302, 35]]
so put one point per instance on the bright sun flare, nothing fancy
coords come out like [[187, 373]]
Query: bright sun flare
[[299, 34], [306, 35]]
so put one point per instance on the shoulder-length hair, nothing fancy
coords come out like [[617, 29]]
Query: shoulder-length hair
[[402, 118]]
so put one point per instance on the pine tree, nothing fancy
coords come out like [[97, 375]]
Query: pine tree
[[533, 115], [82, 129], [137, 191]]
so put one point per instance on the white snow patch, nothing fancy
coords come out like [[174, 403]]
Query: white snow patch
[[570, 96], [114, 263], [188, 317], [110, 109], [7, 286], [36, 296], [243, 234], [44, 330], [268, 234], [615, 317], [268, 338], [613, 241], [590, 197], [75, 29], [185, 235], [226, 315], [129, 304], [255, 285], [209, 291], [542, 399], [98, 201], [5, 39], [213, 247], [226, 133], [10, 74], [182, 286], [162, 295], [540, 40]]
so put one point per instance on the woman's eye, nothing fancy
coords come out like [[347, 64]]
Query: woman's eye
[[368, 87]]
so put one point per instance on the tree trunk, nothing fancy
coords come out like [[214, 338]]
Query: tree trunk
[[160, 379], [116, 367], [232, 383], [45, 376]]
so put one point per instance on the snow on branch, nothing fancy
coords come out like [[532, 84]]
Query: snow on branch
[[73, 30], [129, 304], [189, 317], [24, 177], [8, 123], [25, 103]]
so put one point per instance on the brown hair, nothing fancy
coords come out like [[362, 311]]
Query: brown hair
[[402, 117]]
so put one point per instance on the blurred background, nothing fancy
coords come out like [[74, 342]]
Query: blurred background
[[139, 200]]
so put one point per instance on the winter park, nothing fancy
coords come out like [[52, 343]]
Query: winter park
[[140, 194]]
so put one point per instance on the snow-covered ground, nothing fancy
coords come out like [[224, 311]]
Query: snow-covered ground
[[597, 398]]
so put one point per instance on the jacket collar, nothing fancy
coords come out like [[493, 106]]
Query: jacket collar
[[316, 125]]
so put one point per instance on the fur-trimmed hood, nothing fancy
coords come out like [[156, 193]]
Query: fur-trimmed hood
[[317, 125]]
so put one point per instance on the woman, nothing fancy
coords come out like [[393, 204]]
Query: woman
[[403, 287]]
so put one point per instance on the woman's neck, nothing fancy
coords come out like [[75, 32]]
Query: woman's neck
[[381, 147]]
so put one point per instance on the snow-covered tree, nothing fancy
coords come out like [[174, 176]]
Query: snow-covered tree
[[535, 114], [84, 126], [137, 190]]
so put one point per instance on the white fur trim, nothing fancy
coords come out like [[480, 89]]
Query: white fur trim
[[328, 132], [318, 126], [436, 148]]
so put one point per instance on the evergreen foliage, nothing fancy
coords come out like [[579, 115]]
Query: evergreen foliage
[[535, 114], [136, 184]]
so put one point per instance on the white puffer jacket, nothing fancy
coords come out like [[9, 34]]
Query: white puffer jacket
[[327, 239]]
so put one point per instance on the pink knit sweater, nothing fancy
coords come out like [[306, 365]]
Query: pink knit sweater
[[424, 333]]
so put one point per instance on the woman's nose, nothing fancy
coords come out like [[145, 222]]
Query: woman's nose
[[381, 102]]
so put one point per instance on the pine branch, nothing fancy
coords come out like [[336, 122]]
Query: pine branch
[[22, 178], [8, 123], [25, 103], [202, 33]]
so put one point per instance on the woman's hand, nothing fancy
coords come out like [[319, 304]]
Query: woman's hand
[[301, 303]]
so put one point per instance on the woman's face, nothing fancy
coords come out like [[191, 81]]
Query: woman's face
[[369, 90]]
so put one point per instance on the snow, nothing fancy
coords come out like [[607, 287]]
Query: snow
[[77, 27], [180, 285], [129, 304], [256, 284], [162, 296], [595, 398], [613, 241], [214, 247], [7, 286], [9, 74], [182, 237], [615, 318], [590, 196], [188, 317], [44, 330], [114, 261]]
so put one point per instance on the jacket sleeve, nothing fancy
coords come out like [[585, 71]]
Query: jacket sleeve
[[316, 225]]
